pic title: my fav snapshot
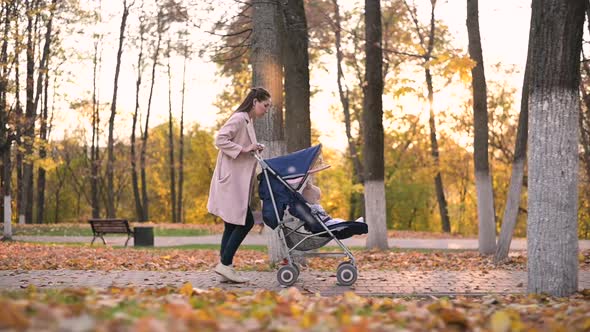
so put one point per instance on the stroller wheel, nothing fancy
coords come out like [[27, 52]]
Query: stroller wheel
[[346, 274], [287, 275], [343, 263]]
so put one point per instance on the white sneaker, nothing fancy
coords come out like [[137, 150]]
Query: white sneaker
[[223, 279], [229, 273]]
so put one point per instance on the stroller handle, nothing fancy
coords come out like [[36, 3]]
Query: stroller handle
[[256, 155]]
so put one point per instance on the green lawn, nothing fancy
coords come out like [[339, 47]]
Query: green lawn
[[85, 230]]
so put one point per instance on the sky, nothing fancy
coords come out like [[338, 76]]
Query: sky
[[504, 26]]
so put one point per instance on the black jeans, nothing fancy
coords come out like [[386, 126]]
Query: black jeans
[[233, 235]]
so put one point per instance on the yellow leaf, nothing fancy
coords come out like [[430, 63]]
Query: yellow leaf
[[308, 320], [453, 317], [296, 310], [186, 289], [12, 317], [500, 321]]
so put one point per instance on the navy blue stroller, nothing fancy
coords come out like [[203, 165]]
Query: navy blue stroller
[[308, 231]]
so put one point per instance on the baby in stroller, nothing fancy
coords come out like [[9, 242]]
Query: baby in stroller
[[312, 195]]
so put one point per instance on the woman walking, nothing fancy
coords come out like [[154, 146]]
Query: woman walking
[[231, 184]]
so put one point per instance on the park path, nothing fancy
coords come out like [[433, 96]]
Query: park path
[[369, 283], [259, 239]]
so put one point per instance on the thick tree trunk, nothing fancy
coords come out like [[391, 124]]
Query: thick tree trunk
[[43, 135], [110, 145], [171, 164], [268, 72], [296, 65], [483, 181], [585, 120], [18, 127], [5, 139], [29, 123], [375, 211], [585, 115], [556, 36], [516, 179]]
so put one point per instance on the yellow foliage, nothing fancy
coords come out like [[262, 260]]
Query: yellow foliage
[[186, 289]]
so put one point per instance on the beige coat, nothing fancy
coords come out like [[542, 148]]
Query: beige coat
[[231, 183]]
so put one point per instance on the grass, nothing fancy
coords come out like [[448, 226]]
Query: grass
[[205, 247], [85, 230], [261, 248]]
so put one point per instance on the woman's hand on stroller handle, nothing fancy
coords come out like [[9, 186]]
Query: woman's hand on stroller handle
[[256, 147]]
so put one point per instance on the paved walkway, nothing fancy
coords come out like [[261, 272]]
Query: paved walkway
[[258, 239], [369, 283]]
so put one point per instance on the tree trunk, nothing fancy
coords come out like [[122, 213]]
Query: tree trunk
[[556, 36], [515, 188], [134, 176], [43, 135], [585, 115], [268, 72], [29, 123], [171, 144], [5, 139], [296, 66], [110, 145], [438, 183], [142, 165], [345, 101], [179, 201], [483, 180], [375, 211], [18, 126], [94, 148], [585, 119]]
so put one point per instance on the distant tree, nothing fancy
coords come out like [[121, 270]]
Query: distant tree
[[139, 210], [428, 47], [43, 127], [110, 144], [172, 164], [95, 144], [344, 94], [6, 135], [556, 37], [180, 199], [26, 211]]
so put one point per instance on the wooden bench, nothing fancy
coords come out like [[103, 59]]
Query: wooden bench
[[100, 227]]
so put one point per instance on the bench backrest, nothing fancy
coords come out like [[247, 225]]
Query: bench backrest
[[110, 225]]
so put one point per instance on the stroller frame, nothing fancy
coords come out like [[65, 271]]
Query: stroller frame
[[287, 275]]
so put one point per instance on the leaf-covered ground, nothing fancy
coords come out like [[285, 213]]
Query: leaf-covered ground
[[189, 309], [32, 256], [162, 229]]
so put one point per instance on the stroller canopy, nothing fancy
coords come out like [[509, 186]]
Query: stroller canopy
[[291, 166], [296, 164]]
